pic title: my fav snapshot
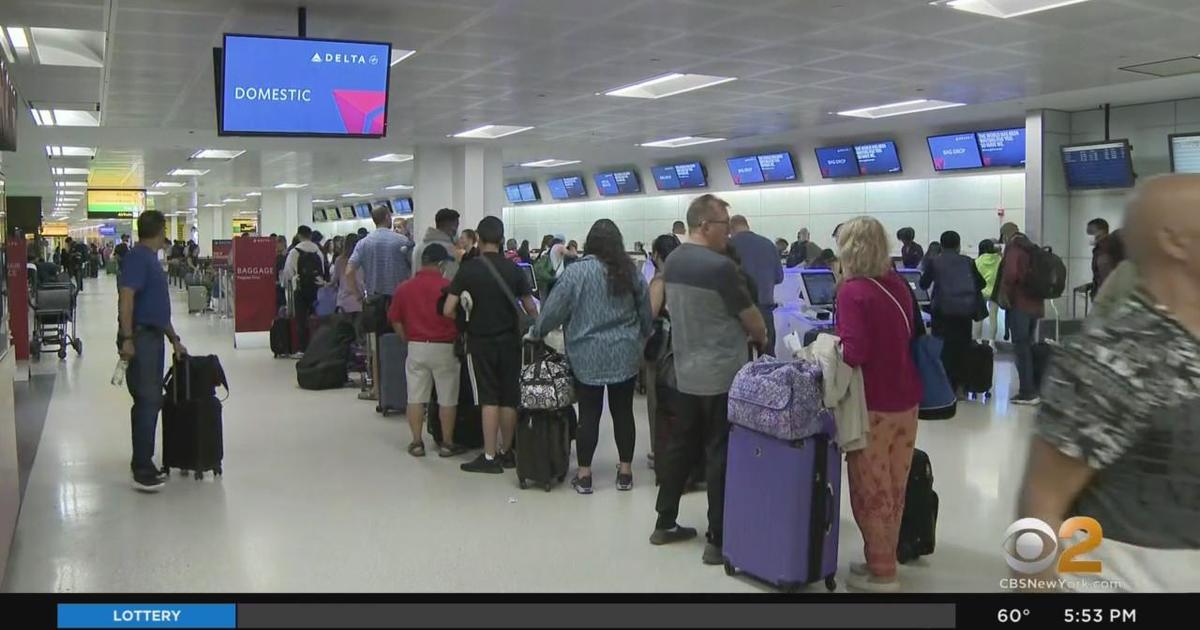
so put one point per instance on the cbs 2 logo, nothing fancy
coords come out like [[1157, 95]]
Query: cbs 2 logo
[[1033, 549]]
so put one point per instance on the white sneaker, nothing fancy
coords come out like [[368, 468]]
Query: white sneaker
[[1031, 402], [871, 584]]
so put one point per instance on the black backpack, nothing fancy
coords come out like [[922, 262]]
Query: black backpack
[[309, 267], [1047, 275]]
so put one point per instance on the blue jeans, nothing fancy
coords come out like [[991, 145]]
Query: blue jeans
[[144, 378], [1023, 327]]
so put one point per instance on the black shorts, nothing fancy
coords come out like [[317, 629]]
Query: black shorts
[[494, 364]]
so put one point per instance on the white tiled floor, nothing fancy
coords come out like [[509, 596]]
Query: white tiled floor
[[318, 495]]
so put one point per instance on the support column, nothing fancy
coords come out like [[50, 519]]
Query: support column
[[1047, 200], [284, 211], [469, 179]]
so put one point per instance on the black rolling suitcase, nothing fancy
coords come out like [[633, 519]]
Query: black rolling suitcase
[[393, 384], [918, 525], [468, 427], [192, 429], [543, 447], [979, 362]]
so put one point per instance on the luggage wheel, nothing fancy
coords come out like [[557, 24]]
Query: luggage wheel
[[217, 471], [547, 486], [562, 478], [62, 353], [729, 570], [522, 484], [830, 584], [198, 475]]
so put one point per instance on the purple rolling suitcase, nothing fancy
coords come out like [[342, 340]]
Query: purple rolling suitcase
[[782, 508]]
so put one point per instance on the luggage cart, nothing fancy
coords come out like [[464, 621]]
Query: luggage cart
[[53, 307]]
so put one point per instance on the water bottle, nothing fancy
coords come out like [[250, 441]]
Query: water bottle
[[118, 377]]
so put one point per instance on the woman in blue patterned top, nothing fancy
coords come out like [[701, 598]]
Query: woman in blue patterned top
[[603, 305]]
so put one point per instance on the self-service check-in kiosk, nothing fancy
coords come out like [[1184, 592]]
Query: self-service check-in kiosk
[[810, 307]]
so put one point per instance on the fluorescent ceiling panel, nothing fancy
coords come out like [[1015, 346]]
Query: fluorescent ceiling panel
[[188, 172], [669, 85], [51, 117], [68, 170], [1167, 67], [166, 184], [491, 132], [390, 157], [399, 187], [899, 109], [64, 151], [68, 47], [254, 194], [155, 193], [18, 37], [70, 184], [70, 193], [322, 200], [1006, 8], [214, 205], [288, 185], [216, 154], [682, 141], [399, 54], [549, 163], [355, 195], [232, 200]]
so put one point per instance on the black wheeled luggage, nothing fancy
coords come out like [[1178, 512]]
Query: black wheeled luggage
[[978, 365], [918, 525], [468, 426], [393, 384], [193, 438], [282, 337], [543, 447]]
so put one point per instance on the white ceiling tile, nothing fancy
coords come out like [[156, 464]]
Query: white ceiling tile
[[923, 20], [856, 64]]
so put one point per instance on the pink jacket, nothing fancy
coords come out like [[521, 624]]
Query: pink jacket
[[876, 339]]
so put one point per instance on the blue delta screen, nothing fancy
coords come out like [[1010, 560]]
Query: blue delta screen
[[877, 158], [837, 162], [524, 192], [362, 210], [766, 167], [676, 176], [402, 205], [955, 152], [1002, 147], [617, 183], [567, 188], [1102, 165], [282, 86]]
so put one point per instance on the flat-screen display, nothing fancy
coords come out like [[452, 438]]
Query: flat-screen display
[[402, 205], [762, 168], [877, 158], [319, 215], [1002, 147], [115, 204], [1099, 165], [293, 86], [523, 192], [677, 176], [567, 188], [346, 213], [530, 278], [362, 211], [836, 162], [1185, 153], [820, 285], [745, 170], [913, 278], [617, 183], [955, 152]]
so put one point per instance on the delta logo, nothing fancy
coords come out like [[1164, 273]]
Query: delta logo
[[344, 58]]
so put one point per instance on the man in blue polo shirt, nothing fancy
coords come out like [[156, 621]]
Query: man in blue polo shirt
[[144, 313]]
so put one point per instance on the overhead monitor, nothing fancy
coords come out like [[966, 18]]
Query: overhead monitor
[[762, 168], [913, 278], [677, 176], [1002, 147], [522, 192], [877, 158], [1185, 152], [344, 213], [563, 188], [362, 211], [617, 183], [1099, 165], [115, 204], [837, 162], [318, 215], [283, 86], [820, 287], [402, 205], [955, 152]]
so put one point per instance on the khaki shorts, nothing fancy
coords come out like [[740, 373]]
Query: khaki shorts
[[432, 365]]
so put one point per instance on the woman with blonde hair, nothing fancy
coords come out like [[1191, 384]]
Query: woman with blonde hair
[[876, 319]]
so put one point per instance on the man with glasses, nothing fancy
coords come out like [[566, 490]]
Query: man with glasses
[[712, 317]]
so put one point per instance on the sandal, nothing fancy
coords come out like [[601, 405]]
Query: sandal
[[417, 449], [451, 450]]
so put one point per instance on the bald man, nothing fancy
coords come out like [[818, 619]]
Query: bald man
[[1118, 435]]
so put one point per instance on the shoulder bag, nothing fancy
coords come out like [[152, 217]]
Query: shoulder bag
[[524, 321], [938, 400]]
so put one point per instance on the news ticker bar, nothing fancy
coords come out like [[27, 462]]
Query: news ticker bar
[[1018, 611]]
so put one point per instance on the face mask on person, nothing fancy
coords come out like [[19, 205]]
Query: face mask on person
[[1092, 239]]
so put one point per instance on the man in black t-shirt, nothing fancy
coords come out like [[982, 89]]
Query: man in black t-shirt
[[493, 341], [120, 250]]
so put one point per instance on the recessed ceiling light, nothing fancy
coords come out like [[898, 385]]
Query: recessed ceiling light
[[355, 195], [216, 154], [166, 184], [390, 157], [287, 185], [232, 200], [1005, 8], [16, 35], [491, 132], [549, 163], [399, 187], [155, 193], [68, 170], [65, 151], [70, 184], [254, 194], [214, 205], [682, 141], [399, 54], [898, 109], [188, 172], [669, 85], [322, 200], [53, 117]]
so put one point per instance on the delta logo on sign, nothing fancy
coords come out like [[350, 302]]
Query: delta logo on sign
[[345, 58]]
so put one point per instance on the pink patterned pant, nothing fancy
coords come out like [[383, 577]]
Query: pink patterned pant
[[878, 478]]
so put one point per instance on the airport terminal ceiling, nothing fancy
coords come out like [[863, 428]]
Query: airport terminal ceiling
[[148, 66]]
